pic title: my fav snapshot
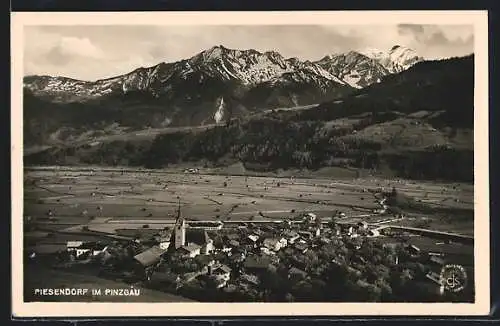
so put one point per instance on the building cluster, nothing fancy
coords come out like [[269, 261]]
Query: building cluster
[[237, 259], [238, 256]]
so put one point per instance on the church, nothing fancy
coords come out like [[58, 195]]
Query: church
[[190, 241]]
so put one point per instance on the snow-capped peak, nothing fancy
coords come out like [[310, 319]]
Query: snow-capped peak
[[397, 59], [212, 53], [372, 53]]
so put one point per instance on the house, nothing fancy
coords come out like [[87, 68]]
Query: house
[[283, 242], [247, 242], [355, 243], [414, 250], [266, 251], [354, 271], [253, 238], [211, 226], [274, 244], [72, 245], [310, 217], [291, 236], [99, 248], [249, 279], [105, 256], [325, 240], [258, 232], [267, 228], [306, 234], [238, 257], [234, 244], [435, 277], [190, 250], [315, 231], [391, 245], [163, 239], [205, 260], [350, 230], [148, 259], [216, 282], [201, 238], [362, 225], [301, 246], [191, 276], [230, 288], [85, 249], [359, 259], [336, 262], [362, 284], [296, 274], [232, 236], [226, 249], [221, 272], [439, 254], [275, 259], [373, 233], [437, 260]]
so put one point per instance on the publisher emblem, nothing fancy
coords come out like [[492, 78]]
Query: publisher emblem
[[453, 278]]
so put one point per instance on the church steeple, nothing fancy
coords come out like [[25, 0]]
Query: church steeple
[[178, 211], [179, 229]]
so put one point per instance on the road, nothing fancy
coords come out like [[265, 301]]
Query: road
[[432, 233]]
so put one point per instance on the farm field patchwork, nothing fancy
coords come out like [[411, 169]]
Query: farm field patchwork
[[112, 199]]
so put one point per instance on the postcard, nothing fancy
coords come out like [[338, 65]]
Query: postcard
[[250, 163]]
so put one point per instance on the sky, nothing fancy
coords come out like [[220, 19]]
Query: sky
[[95, 52]]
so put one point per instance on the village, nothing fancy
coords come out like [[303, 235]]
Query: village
[[300, 260]]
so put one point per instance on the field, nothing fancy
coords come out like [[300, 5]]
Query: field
[[110, 199]]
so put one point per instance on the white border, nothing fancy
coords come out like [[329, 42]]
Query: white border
[[481, 229]]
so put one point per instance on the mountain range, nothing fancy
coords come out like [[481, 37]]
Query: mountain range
[[409, 117], [188, 92]]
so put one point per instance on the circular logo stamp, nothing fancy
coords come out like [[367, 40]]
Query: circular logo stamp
[[453, 278]]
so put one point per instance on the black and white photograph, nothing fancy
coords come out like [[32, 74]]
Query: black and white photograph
[[322, 160]]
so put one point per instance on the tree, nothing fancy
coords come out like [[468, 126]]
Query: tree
[[276, 284], [385, 290], [373, 293]]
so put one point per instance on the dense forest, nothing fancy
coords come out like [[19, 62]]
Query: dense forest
[[269, 144]]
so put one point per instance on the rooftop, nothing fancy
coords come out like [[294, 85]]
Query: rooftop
[[191, 247], [250, 278], [271, 241], [197, 236], [256, 261], [234, 243], [150, 256], [296, 271], [223, 268], [253, 237]]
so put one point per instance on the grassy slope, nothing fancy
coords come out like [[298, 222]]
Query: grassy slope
[[41, 277]]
